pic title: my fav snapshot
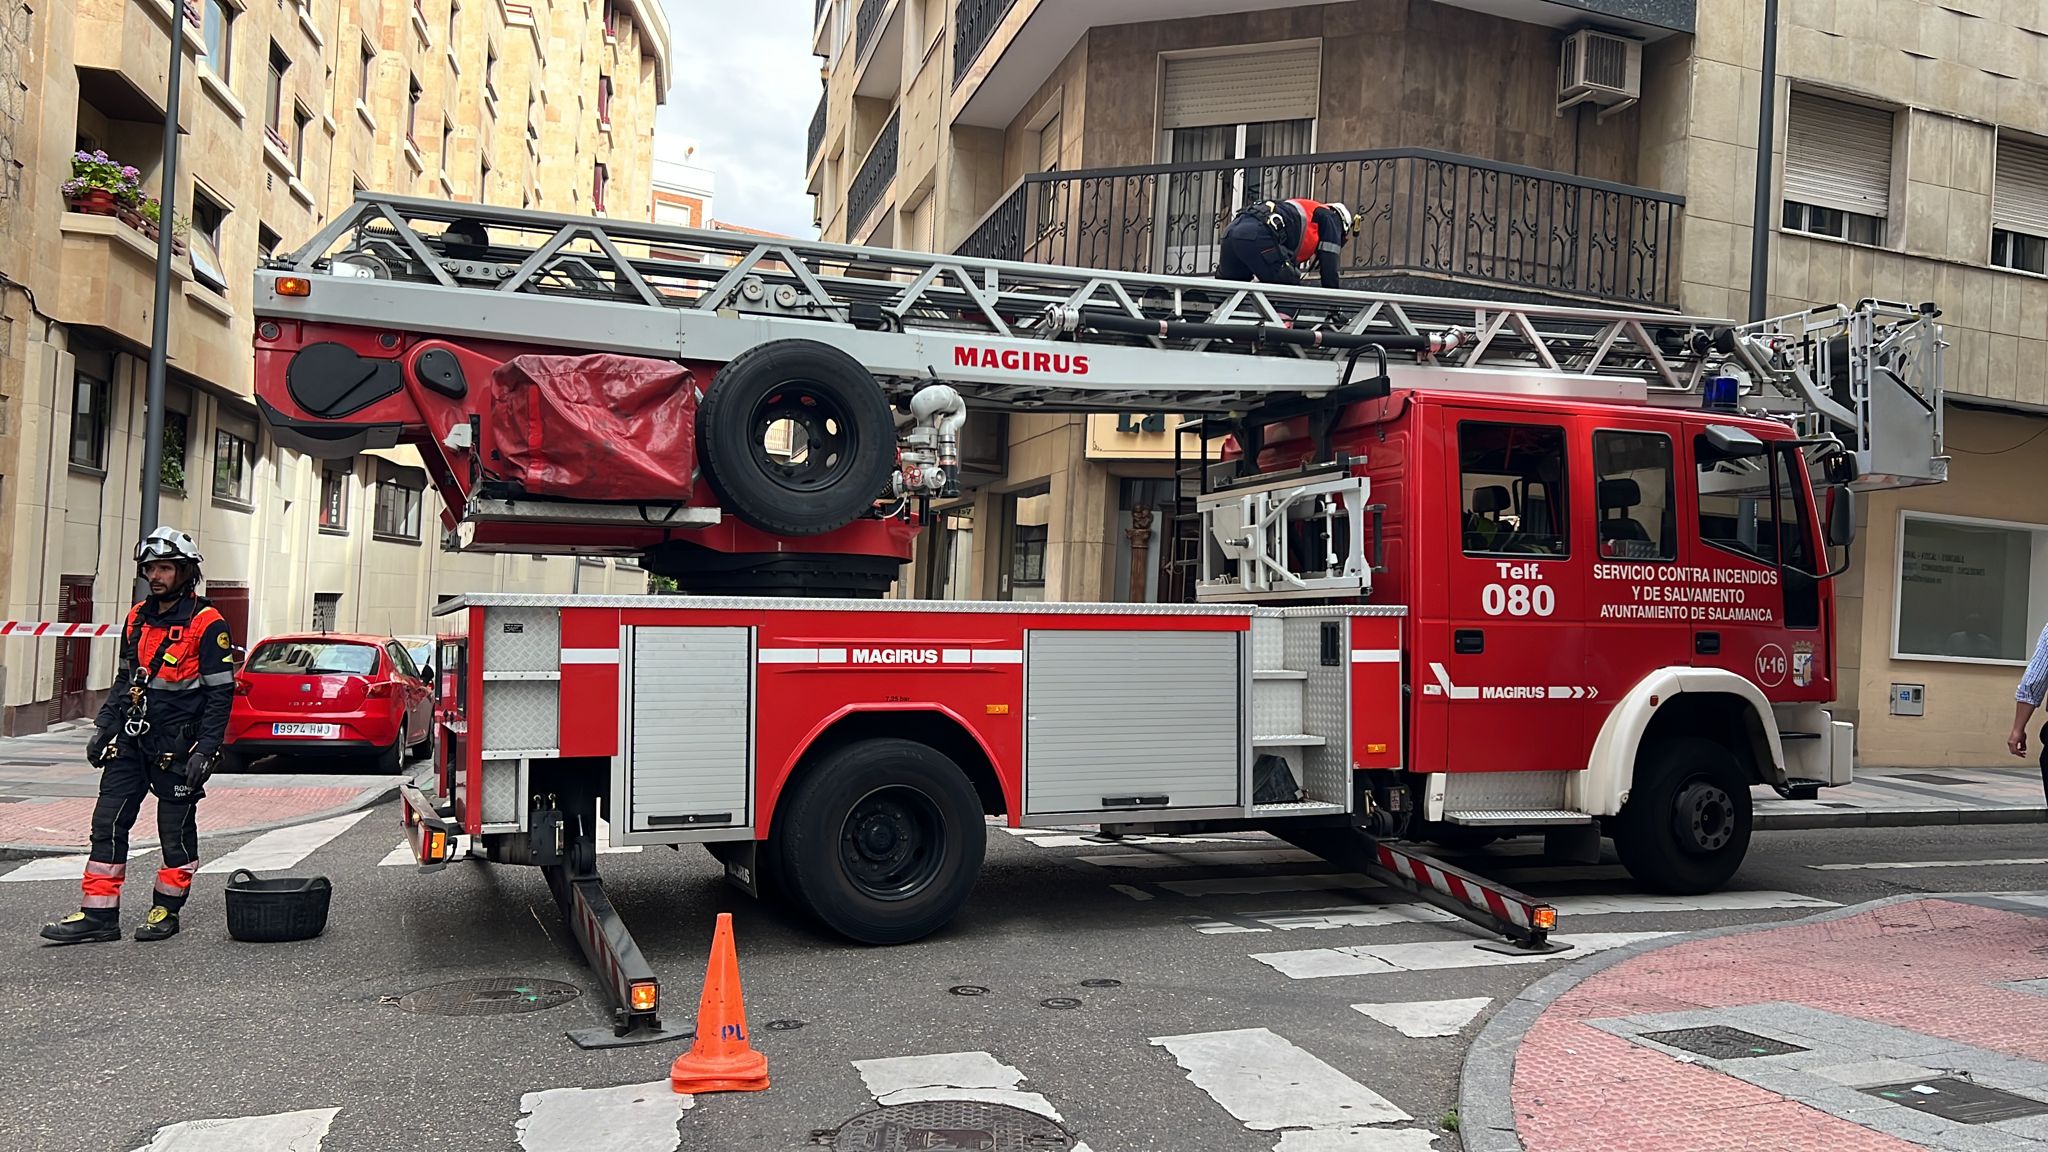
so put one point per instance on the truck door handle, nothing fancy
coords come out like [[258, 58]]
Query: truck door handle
[[1706, 643], [1468, 641]]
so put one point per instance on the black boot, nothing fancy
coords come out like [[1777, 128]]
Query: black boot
[[160, 924], [84, 928]]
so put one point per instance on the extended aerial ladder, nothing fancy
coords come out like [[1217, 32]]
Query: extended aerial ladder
[[943, 337]]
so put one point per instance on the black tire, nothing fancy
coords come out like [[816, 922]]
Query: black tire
[[848, 437], [391, 761], [1685, 828], [881, 841]]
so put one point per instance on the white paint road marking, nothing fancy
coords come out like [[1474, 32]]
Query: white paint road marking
[[1362, 916], [2023, 861], [975, 1076], [1357, 1140], [1381, 915], [1265, 1081], [1431, 956], [61, 867], [629, 1118], [1133, 893], [1201, 859], [280, 849], [399, 855], [1421, 1018], [301, 1131]]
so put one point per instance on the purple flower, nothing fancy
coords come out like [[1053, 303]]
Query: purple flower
[[130, 173], [101, 156]]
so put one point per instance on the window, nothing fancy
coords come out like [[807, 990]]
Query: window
[[172, 474], [1232, 106], [1632, 473], [266, 242], [1967, 589], [491, 73], [1511, 481], [301, 120], [398, 507], [600, 177], [1030, 530], [2019, 207], [273, 96], [483, 179], [89, 421], [611, 19], [326, 612], [447, 143], [454, 21], [369, 70], [413, 92], [604, 101], [234, 464], [314, 657], [1758, 507], [334, 499], [217, 30], [1838, 169], [209, 224]]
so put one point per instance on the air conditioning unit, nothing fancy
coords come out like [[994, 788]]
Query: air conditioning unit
[[1599, 68]]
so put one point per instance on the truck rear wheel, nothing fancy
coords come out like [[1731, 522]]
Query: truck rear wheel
[[796, 437], [1685, 828], [882, 841]]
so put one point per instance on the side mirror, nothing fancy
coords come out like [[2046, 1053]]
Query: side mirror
[[1841, 517]]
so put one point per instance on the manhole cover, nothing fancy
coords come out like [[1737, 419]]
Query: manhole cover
[[1958, 1100], [950, 1126], [491, 996], [1722, 1043]]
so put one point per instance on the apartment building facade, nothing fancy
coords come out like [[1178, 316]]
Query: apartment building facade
[[285, 111], [1910, 162]]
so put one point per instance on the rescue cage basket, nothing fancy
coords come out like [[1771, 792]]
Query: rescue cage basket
[[276, 910]]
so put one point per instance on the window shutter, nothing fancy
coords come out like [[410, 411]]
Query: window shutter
[[1242, 87], [1838, 155], [2019, 194], [1049, 145]]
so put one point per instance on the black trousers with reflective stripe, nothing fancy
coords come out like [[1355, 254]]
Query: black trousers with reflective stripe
[[123, 784]]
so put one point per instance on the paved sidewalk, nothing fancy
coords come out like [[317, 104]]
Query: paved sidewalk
[[47, 791], [1883, 797], [1909, 1023]]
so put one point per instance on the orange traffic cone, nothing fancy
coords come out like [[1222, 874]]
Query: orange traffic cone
[[721, 1060]]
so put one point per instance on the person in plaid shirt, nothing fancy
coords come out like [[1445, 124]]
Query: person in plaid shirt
[[2033, 685]]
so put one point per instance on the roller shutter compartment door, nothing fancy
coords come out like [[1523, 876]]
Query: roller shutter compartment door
[[691, 728]]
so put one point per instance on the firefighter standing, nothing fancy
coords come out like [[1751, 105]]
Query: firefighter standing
[[160, 731], [1273, 241]]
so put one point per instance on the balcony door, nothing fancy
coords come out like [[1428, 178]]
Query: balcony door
[[1219, 111]]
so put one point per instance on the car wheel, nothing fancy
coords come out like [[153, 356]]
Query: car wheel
[[1685, 828], [392, 760]]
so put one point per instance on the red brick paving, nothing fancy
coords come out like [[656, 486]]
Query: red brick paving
[[1928, 966], [62, 822]]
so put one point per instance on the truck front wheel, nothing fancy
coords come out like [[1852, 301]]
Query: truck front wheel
[[882, 840], [1685, 828]]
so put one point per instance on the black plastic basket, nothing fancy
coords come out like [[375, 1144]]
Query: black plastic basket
[[273, 911]]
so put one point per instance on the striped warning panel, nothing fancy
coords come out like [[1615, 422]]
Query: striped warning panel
[[1463, 887]]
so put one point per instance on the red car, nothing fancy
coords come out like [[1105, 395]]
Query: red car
[[330, 694]]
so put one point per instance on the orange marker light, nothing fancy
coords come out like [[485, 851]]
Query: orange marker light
[[437, 846], [999, 709], [294, 286], [644, 995], [1375, 749], [1545, 918]]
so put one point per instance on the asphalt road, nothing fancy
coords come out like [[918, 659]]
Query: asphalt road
[[110, 1043]]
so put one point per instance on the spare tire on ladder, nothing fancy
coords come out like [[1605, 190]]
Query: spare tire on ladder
[[838, 439]]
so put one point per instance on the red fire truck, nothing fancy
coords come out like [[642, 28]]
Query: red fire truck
[[1461, 569]]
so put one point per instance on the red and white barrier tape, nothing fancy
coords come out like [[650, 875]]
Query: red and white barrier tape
[[46, 628]]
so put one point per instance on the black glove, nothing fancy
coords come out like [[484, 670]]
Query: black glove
[[197, 768], [96, 745]]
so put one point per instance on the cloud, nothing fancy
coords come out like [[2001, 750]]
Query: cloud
[[744, 87]]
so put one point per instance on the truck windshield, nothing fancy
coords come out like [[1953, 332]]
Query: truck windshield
[[1758, 506]]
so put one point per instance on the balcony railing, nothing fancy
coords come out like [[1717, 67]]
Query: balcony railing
[[974, 21], [876, 172], [1421, 214], [817, 138], [866, 23]]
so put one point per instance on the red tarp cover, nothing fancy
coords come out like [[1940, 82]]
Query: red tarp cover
[[602, 427]]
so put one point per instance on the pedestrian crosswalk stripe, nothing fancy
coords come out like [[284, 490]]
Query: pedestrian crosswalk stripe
[[1886, 866], [629, 1118], [1430, 956], [1426, 1018], [1202, 859], [59, 867], [1133, 893], [976, 1076], [280, 849], [1269, 1084], [1381, 915], [301, 1131], [399, 855], [1356, 916], [1357, 1140]]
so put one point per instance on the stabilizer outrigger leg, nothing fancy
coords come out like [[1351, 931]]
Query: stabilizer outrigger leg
[[1523, 923], [564, 844]]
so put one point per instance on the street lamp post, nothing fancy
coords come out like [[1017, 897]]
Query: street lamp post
[[160, 318], [1760, 220]]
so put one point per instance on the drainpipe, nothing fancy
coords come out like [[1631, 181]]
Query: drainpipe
[[1766, 122]]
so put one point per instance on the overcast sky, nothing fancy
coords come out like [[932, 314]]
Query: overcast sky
[[744, 86]]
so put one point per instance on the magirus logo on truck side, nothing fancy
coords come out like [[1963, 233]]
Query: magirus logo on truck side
[[1017, 360], [895, 655]]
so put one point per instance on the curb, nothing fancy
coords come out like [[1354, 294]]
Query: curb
[[1486, 1107], [1765, 820], [365, 799]]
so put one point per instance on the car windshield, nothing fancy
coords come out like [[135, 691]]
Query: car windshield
[[313, 658]]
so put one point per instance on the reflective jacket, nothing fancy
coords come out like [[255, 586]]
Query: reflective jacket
[[1311, 230], [190, 659]]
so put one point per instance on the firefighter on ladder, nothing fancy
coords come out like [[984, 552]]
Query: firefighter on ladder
[[1273, 241], [160, 731]]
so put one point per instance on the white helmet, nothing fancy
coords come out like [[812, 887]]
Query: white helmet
[[1344, 214], [167, 544]]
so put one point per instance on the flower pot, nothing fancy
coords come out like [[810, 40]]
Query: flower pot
[[127, 217], [92, 202], [149, 230], [178, 245]]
